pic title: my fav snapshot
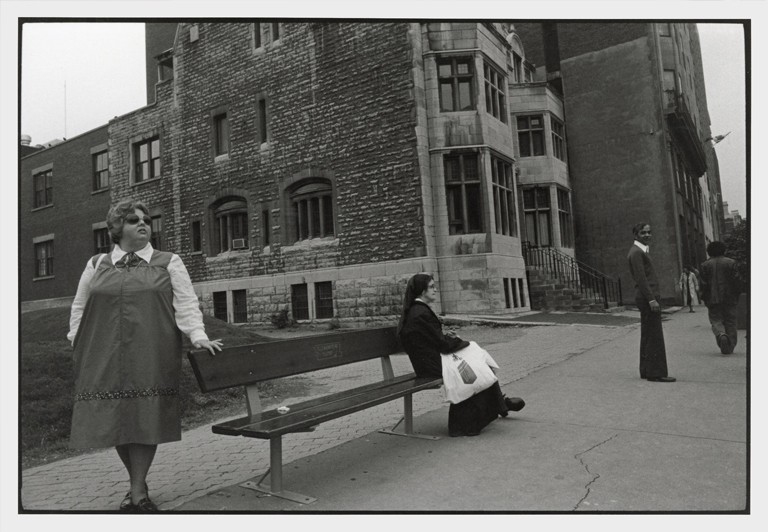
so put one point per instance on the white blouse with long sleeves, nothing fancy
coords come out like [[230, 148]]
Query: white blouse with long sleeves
[[186, 308]]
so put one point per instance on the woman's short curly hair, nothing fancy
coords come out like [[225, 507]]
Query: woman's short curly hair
[[116, 217]]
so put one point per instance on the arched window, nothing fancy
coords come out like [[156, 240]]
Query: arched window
[[230, 225], [312, 210]]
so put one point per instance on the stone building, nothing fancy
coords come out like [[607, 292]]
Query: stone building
[[640, 142], [317, 166], [314, 167]]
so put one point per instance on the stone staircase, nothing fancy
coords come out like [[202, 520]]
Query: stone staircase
[[546, 292]]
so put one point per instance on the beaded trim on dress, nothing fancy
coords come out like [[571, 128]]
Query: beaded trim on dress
[[126, 394]]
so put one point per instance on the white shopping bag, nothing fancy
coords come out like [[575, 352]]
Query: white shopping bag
[[455, 388]]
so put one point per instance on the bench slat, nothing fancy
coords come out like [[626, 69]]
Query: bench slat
[[249, 364], [317, 411], [234, 425]]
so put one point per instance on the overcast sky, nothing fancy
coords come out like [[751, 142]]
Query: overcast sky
[[76, 77]]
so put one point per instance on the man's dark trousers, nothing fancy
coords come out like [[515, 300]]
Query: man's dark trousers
[[722, 317], [653, 354]]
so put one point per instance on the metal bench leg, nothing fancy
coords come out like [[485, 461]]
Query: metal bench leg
[[276, 476], [408, 418]]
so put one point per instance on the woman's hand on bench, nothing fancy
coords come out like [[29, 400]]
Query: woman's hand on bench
[[210, 345]]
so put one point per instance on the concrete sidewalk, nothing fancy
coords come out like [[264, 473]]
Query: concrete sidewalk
[[593, 437]]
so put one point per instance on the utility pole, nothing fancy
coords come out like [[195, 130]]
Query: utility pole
[[65, 109]]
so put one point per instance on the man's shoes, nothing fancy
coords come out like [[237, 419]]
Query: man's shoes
[[661, 379], [515, 404], [145, 506], [691, 310], [725, 344]]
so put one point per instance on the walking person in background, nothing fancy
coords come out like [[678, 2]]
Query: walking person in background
[[421, 335], [698, 283], [125, 326], [689, 286], [720, 288], [653, 354]]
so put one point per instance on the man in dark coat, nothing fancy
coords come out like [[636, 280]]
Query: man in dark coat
[[720, 287], [653, 354]]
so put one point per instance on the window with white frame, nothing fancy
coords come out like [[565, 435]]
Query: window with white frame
[[146, 157], [100, 163], [44, 258], [43, 188]]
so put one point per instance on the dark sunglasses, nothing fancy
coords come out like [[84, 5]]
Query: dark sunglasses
[[133, 219]]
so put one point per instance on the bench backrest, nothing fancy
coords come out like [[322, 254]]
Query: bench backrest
[[248, 364]]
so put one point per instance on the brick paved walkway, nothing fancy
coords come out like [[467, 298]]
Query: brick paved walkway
[[203, 462]]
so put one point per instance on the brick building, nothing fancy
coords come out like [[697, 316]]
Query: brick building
[[316, 166], [64, 197], [640, 145]]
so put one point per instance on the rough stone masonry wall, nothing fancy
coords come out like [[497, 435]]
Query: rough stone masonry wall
[[156, 194], [341, 107]]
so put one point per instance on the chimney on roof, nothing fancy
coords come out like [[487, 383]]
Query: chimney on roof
[[26, 140]]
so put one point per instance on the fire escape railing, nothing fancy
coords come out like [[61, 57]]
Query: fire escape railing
[[573, 274]]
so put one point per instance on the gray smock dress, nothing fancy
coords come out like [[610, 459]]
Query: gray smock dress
[[127, 357]]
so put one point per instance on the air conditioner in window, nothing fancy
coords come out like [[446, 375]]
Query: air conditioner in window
[[238, 243]]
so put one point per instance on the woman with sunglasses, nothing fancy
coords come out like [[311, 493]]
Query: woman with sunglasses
[[422, 337], [131, 307]]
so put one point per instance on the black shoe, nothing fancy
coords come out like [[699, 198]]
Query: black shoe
[[515, 404], [662, 379], [725, 344], [145, 506], [126, 505]]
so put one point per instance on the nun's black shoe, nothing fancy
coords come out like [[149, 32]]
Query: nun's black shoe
[[515, 404]]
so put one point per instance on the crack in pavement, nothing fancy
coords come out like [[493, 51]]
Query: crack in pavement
[[586, 468]]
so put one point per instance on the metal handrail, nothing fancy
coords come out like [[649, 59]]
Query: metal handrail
[[575, 275]]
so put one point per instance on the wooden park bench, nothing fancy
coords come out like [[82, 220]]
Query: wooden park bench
[[250, 364]]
